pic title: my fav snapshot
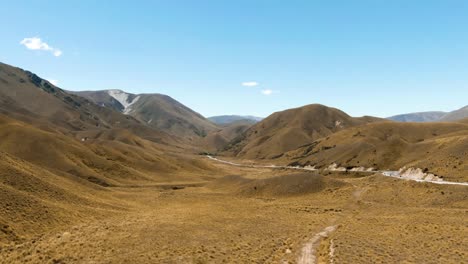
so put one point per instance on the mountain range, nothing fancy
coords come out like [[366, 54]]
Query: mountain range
[[434, 116], [154, 110], [128, 118]]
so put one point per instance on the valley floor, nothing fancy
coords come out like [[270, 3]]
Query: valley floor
[[255, 218]]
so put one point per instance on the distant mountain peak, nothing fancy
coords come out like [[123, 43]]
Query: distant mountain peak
[[155, 110], [432, 116], [228, 119]]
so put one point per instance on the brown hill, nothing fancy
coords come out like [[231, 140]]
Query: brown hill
[[62, 155], [155, 110], [439, 148], [34, 200], [290, 129], [220, 138], [465, 120], [48, 179], [112, 158], [27, 97]]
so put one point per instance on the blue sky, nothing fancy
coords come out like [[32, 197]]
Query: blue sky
[[370, 57]]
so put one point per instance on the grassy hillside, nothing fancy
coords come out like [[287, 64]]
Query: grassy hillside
[[290, 129], [440, 148], [49, 179], [219, 139]]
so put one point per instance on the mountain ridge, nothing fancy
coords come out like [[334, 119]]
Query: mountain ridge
[[432, 116], [155, 110], [228, 119], [429, 116]]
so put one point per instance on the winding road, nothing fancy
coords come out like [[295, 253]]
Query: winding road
[[393, 174]]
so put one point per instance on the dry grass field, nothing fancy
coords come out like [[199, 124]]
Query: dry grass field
[[247, 215]]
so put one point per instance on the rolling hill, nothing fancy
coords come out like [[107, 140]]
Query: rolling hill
[[27, 97], [49, 179], [219, 139], [290, 129], [62, 157], [438, 148], [320, 136]]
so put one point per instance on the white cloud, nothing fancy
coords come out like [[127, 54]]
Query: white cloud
[[36, 43], [250, 84], [268, 92], [54, 82], [57, 53]]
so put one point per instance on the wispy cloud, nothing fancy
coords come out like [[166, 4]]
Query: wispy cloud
[[54, 82], [36, 43], [268, 92], [250, 84]]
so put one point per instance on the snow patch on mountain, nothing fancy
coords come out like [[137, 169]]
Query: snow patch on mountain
[[128, 109], [124, 99]]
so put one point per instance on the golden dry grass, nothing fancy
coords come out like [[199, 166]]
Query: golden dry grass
[[379, 220], [441, 148]]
